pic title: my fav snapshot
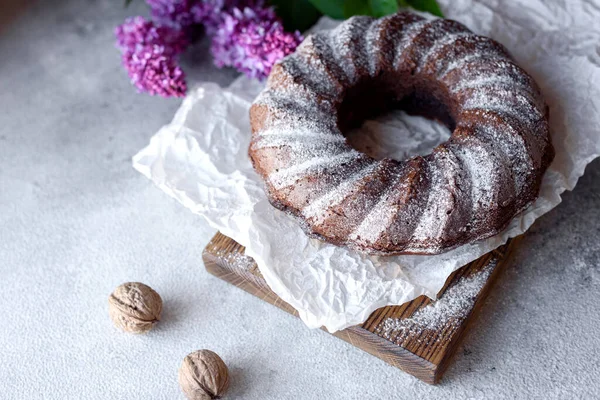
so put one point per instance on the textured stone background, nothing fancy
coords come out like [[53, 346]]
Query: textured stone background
[[76, 220]]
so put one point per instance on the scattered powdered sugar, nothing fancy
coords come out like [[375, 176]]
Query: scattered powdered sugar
[[347, 68], [381, 216], [507, 102], [320, 75], [288, 176], [240, 261], [297, 142], [302, 152], [312, 82], [481, 168], [488, 55], [441, 199], [372, 44], [318, 208], [235, 260], [497, 78], [438, 45], [307, 131], [410, 32], [348, 46], [294, 112], [446, 313], [512, 145], [464, 50]]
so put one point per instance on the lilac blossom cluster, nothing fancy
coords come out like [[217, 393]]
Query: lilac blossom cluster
[[148, 54], [252, 40], [246, 35], [211, 13], [178, 14]]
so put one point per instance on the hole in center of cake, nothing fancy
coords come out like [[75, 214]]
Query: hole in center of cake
[[385, 120], [397, 135]]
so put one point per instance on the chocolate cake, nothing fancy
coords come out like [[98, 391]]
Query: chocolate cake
[[467, 189]]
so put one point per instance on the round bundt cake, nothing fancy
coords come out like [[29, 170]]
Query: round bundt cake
[[467, 189]]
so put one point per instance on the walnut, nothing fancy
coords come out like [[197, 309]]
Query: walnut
[[134, 307], [203, 376]]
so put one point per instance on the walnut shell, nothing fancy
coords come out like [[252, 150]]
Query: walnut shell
[[134, 307], [203, 376]]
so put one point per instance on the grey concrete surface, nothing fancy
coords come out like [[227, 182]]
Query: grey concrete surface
[[76, 220]]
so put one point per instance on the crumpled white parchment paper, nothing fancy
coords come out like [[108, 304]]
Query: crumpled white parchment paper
[[201, 159]]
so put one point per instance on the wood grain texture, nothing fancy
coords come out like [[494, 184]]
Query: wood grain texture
[[419, 350]]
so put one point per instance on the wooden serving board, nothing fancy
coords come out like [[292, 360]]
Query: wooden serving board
[[419, 337]]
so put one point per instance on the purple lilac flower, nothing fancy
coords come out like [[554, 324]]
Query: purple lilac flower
[[153, 72], [137, 32], [252, 40], [178, 14], [149, 55], [210, 13], [181, 14]]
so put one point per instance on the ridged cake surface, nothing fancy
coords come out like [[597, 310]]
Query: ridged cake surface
[[467, 189]]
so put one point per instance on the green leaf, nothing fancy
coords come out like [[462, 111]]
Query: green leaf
[[331, 8], [381, 8], [356, 7], [296, 14], [341, 9], [127, 3], [430, 6]]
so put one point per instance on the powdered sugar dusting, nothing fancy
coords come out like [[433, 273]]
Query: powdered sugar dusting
[[293, 113], [315, 63], [468, 58], [331, 39], [372, 45], [306, 67], [506, 102], [347, 43], [298, 106], [318, 208], [490, 80], [514, 148], [410, 32], [307, 131], [288, 176], [481, 169], [447, 313], [297, 142], [445, 41], [440, 201], [380, 217], [235, 260]]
